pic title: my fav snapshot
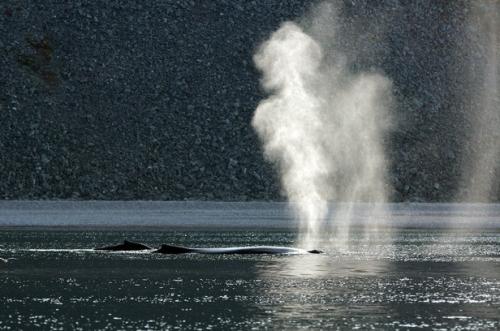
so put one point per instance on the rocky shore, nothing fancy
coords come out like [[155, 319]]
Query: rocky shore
[[153, 99]]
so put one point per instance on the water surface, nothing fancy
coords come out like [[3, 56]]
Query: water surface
[[432, 275]]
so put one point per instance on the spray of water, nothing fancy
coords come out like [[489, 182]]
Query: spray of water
[[322, 125], [481, 167]]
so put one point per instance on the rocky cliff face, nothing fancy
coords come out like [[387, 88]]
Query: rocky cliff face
[[153, 99]]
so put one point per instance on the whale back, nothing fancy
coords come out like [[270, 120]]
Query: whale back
[[172, 249], [126, 246]]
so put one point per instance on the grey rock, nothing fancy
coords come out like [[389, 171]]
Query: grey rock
[[92, 95]]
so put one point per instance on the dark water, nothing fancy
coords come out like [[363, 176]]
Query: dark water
[[427, 277]]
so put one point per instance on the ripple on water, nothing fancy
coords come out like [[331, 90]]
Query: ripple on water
[[420, 280]]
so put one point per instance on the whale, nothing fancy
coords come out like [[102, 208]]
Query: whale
[[126, 246], [172, 249]]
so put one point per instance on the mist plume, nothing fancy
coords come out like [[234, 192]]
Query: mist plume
[[322, 125], [481, 170]]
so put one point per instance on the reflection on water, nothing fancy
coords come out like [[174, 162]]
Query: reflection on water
[[424, 278], [419, 277], [378, 290]]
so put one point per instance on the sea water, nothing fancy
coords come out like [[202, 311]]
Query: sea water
[[439, 270]]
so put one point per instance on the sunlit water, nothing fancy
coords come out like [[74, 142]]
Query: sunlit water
[[432, 275]]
